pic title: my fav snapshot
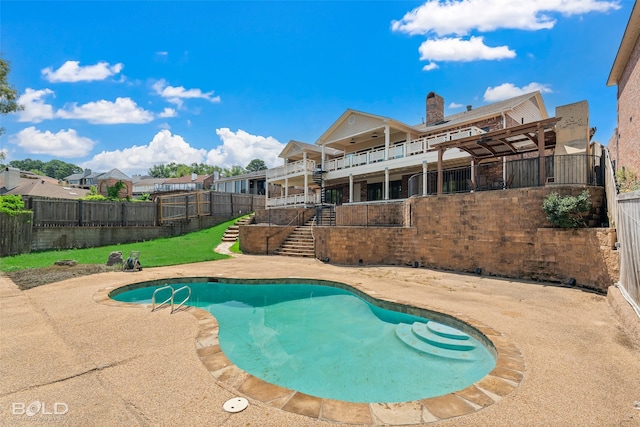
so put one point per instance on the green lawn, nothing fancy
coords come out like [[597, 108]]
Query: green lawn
[[193, 247]]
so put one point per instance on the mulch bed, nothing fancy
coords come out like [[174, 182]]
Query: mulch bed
[[33, 277]]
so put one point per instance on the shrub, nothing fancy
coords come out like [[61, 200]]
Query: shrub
[[627, 180], [12, 204], [567, 211]]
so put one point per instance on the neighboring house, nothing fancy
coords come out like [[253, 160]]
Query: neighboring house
[[624, 147], [14, 181], [366, 157], [147, 185], [191, 182], [248, 183], [111, 179]]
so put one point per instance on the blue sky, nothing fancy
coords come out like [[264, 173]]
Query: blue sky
[[133, 84]]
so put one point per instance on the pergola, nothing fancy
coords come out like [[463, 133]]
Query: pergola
[[529, 137]]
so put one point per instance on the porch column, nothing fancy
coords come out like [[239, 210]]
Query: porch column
[[387, 138], [424, 178], [473, 171], [504, 172], [440, 174], [306, 177], [266, 194], [350, 188], [286, 187], [543, 172], [386, 183], [322, 157]]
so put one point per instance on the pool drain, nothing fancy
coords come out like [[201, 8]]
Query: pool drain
[[236, 404]]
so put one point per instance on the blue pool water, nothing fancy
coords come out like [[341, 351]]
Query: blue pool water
[[328, 342]]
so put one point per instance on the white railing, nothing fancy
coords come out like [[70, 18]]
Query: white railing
[[398, 151], [293, 200], [291, 168]]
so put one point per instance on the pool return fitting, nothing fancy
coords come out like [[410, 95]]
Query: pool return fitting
[[171, 299]]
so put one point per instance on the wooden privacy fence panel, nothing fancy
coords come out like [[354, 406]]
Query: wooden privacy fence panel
[[91, 213], [628, 230], [183, 206]]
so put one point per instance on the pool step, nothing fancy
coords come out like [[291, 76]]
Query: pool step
[[437, 347], [426, 333]]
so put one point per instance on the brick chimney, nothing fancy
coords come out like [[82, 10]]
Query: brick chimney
[[435, 108]]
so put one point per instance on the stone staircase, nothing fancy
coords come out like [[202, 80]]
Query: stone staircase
[[299, 243], [232, 232]]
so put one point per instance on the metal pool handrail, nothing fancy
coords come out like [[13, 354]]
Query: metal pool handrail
[[171, 299], [183, 301], [153, 298]]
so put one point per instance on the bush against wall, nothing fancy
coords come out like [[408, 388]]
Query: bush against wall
[[12, 204], [567, 211]]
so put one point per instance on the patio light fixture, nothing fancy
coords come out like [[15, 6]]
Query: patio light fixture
[[374, 135], [353, 140]]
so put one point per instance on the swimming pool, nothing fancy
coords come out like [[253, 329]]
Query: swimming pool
[[334, 342]]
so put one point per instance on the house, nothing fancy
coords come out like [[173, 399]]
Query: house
[[366, 157], [85, 179], [23, 183], [248, 183], [624, 147], [111, 179]]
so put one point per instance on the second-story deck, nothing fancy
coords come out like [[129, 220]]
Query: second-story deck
[[355, 159]]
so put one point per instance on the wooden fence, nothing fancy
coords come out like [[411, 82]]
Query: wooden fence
[[628, 230], [165, 210]]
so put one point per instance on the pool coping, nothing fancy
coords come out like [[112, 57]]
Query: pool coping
[[502, 380]]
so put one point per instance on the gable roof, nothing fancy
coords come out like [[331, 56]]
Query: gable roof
[[353, 123], [629, 41], [486, 111], [114, 174], [294, 149]]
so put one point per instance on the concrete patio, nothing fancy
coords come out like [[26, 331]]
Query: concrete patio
[[91, 363]]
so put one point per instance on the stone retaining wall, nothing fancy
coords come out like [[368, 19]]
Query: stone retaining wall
[[502, 233]]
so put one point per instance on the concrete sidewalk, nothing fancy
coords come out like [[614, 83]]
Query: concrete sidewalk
[[94, 364]]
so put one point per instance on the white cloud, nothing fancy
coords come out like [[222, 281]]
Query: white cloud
[[459, 17], [239, 148], [71, 71], [64, 143], [168, 112], [454, 105], [430, 66], [163, 148], [509, 90], [35, 110], [457, 49], [177, 94], [123, 110]]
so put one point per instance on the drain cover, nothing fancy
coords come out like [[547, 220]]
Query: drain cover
[[236, 404]]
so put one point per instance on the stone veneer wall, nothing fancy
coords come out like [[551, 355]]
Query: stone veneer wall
[[504, 233]]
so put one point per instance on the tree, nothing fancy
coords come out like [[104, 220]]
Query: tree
[[256, 165], [8, 95], [234, 171]]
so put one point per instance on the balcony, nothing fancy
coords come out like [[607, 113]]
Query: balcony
[[292, 168], [397, 151], [293, 200]]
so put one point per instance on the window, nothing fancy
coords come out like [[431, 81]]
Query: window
[[237, 186], [243, 186], [228, 187], [333, 195], [374, 191], [395, 189]]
